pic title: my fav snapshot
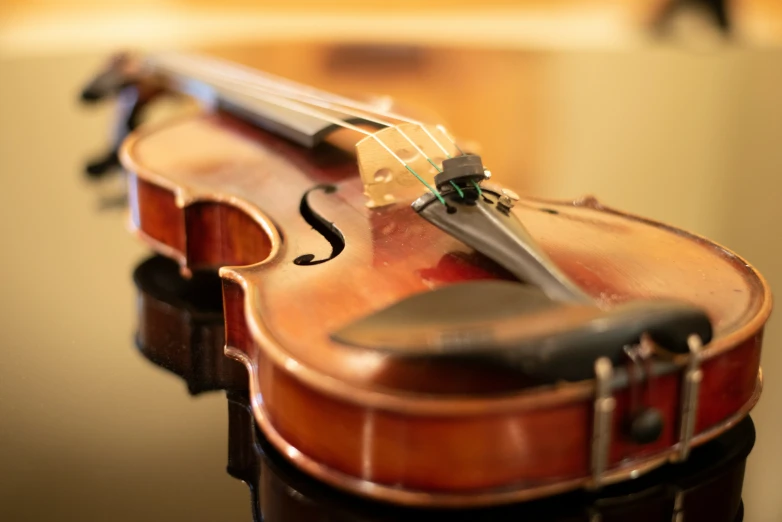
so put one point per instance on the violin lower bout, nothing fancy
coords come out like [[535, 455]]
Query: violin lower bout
[[464, 452]]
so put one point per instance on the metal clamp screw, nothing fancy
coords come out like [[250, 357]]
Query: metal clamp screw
[[507, 200]]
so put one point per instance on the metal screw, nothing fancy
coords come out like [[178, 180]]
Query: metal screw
[[510, 194], [506, 202]]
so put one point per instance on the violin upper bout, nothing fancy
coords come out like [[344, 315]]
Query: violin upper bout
[[196, 205]]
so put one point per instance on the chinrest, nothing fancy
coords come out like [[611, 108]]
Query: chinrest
[[520, 328]]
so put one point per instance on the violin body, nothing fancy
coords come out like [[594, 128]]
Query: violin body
[[301, 255]]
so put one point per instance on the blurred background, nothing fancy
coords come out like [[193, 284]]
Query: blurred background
[[667, 109]]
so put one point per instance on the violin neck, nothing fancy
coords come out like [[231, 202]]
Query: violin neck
[[277, 105]]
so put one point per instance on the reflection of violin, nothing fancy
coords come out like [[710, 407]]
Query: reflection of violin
[[180, 326], [706, 487], [380, 312]]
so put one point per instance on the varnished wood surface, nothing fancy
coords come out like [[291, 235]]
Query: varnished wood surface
[[392, 426]]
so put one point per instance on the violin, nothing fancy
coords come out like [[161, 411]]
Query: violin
[[413, 332], [179, 328]]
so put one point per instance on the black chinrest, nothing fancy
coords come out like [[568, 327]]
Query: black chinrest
[[518, 327]]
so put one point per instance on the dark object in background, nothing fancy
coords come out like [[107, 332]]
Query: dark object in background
[[717, 9], [116, 80], [127, 119]]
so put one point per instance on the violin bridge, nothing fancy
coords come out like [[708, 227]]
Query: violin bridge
[[385, 179]]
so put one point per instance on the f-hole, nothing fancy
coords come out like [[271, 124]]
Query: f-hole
[[325, 228]]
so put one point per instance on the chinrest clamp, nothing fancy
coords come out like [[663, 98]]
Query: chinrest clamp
[[644, 423], [604, 407], [691, 382]]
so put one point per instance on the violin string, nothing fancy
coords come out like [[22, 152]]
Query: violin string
[[360, 114], [324, 104], [448, 136], [251, 90], [275, 94], [256, 80], [256, 77], [461, 152], [299, 107]]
